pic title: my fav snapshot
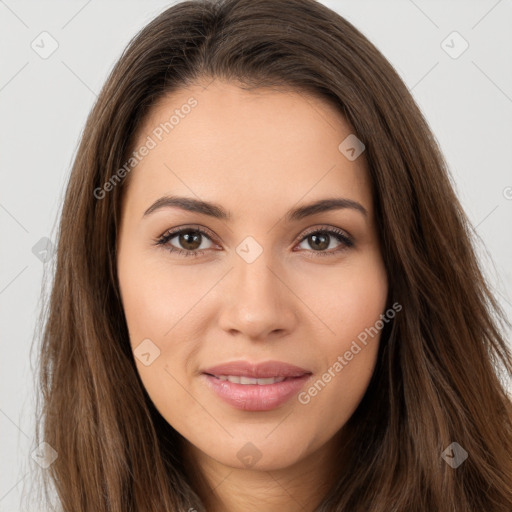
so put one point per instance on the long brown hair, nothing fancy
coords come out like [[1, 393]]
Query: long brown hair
[[437, 376]]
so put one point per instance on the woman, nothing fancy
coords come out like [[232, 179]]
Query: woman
[[266, 295]]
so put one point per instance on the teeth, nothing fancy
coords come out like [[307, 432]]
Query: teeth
[[249, 380]]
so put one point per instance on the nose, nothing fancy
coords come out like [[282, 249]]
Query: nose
[[258, 303]]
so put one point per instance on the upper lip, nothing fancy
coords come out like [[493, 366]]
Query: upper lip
[[257, 370]]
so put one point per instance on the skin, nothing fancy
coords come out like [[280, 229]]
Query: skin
[[257, 154]]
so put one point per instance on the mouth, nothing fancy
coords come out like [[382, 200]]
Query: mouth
[[256, 387], [235, 379]]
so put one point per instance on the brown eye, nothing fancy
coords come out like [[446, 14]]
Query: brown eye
[[319, 242], [323, 241], [186, 242], [190, 240]]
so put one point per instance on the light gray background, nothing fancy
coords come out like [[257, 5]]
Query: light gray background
[[44, 104]]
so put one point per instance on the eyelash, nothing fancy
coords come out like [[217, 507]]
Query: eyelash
[[340, 235]]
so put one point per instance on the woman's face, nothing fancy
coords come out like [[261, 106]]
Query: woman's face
[[259, 277]]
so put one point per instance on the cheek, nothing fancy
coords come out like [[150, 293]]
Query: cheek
[[346, 299], [349, 360], [331, 398], [157, 303], [164, 315], [157, 297], [350, 305]]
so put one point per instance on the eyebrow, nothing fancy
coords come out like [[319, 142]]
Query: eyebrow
[[218, 212]]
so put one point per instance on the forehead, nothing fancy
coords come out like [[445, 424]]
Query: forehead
[[262, 145]]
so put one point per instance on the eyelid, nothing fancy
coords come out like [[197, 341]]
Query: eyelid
[[170, 233], [324, 228]]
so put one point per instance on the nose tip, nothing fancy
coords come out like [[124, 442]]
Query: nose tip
[[257, 303]]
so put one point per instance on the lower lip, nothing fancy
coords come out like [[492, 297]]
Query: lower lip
[[253, 397]]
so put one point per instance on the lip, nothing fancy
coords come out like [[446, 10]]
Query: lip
[[256, 397], [257, 370]]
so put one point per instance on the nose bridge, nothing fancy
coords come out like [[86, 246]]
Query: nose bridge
[[258, 302], [255, 281]]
